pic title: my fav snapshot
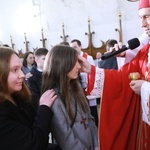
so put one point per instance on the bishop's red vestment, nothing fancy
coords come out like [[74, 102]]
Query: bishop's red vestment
[[121, 126]]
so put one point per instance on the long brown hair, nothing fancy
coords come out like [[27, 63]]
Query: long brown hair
[[5, 56], [60, 60]]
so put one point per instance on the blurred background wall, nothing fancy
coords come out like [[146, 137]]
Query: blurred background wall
[[67, 18]]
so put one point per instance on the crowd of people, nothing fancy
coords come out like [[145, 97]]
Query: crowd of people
[[46, 94]]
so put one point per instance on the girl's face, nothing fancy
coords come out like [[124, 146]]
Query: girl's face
[[73, 74], [15, 76], [30, 59]]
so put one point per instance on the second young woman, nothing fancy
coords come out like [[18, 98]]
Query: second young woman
[[72, 126]]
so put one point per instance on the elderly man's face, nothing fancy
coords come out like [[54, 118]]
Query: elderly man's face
[[144, 14]]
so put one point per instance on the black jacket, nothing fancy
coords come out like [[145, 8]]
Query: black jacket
[[110, 63], [34, 84], [23, 129]]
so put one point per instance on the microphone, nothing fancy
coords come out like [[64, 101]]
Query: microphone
[[131, 44]]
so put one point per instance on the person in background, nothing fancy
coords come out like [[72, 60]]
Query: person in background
[[126, 108], [112, 62], [72, 126], [6, 45], [28, 62], [34, 82], [98, 58], [76, 44], [86, 81], [21, 128]]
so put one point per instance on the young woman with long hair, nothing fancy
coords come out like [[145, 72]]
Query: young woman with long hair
[[21, 128], [72, 126]]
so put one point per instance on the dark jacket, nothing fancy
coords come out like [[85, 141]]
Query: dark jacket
[[77, 136], [23, 129], [34, 84], [110, 63]]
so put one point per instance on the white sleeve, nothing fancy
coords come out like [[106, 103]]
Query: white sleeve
[[90, 60], [120, 61], [130, 54], [145, 102]]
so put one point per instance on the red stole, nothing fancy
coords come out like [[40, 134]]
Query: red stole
[[90, 77], [121, 126]]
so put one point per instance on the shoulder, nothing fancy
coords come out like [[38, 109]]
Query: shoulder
[[58, 104], [5, 108], [145, 48], [143, 52], [24, 68]]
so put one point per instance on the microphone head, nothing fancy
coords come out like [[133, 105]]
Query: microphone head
[[133, 43]]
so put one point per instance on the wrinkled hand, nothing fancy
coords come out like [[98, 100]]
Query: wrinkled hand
[[116, 48], [136, 86], [48, 98], [85, 65]]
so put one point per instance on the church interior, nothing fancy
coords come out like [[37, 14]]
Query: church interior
[[30, 24]]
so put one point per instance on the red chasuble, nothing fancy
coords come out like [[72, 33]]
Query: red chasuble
[[121, 126]]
